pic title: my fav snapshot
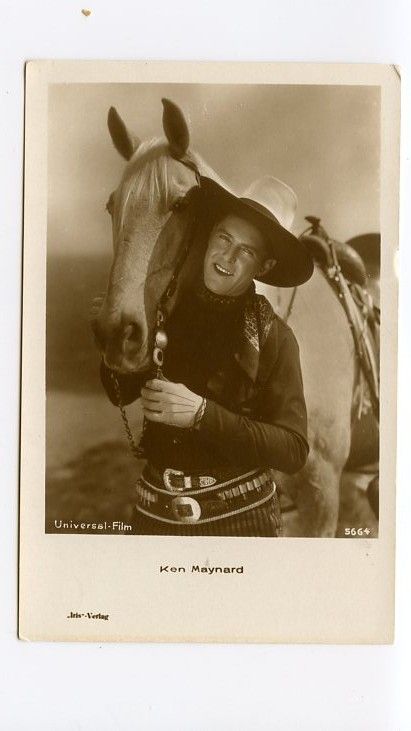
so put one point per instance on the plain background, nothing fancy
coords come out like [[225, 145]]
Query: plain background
[[68, 686], [242, 131]]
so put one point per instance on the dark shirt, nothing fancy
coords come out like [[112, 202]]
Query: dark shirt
[[255, 414], [203, 332]]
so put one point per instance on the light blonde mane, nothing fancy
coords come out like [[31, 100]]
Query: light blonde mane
[[146, 179]]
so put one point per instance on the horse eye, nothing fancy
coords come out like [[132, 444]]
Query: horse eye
[[110, 204], [178, 205]]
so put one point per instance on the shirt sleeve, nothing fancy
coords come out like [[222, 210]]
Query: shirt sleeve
[[130, 385], [276, 433]]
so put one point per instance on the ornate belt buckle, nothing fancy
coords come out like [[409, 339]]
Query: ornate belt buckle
[[186, 509], [168, 484]]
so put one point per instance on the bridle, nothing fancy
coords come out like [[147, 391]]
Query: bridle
[[160, 335]]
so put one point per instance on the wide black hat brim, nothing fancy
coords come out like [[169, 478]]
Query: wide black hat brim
[[294, 262]]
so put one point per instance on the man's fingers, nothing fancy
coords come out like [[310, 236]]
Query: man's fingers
[[169, 411], [166, 399], [152, 415], [152, 407], [155, 384], [175, 396], [149, 394], [173, 410], [149, 397], [165, 417], [168, 387]]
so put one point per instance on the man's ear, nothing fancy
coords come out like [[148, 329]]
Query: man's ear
[[267, 265]]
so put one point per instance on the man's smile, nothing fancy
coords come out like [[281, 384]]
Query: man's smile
[[221, 270]]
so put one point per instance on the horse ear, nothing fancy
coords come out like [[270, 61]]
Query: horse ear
[[124, 142], [175, 128]]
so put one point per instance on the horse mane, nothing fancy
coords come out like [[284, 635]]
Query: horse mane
[[146, 178]]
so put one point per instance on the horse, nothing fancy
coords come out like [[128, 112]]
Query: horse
[[150, 223]]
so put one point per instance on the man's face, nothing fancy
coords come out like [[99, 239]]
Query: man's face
[[236, 253]]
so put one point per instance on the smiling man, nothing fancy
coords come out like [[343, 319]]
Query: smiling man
[[231, 409], [236, 254]]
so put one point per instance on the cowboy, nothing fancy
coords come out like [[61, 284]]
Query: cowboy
[[230, 410]]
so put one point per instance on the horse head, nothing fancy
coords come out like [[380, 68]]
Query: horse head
[[148, 224]]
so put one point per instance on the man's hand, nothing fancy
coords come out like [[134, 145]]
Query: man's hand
[[170, 403]]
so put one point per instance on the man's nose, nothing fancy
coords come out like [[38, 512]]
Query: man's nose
[[230, 253]]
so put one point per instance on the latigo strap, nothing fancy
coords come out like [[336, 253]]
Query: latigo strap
[[204, 504]]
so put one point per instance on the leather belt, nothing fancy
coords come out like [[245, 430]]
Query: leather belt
[[177, 481], [195, 504]]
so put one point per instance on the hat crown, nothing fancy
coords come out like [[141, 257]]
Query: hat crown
[[276, 196]]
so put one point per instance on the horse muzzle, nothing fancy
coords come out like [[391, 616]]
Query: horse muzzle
[[123, 348]]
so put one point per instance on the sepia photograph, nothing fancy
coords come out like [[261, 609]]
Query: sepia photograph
[[213, 310], [205, 308], [209, 323], [204, 323]]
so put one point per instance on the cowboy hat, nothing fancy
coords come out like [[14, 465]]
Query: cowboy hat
[[270, 204]]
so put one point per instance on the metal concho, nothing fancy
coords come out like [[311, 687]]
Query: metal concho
[[186, 509]]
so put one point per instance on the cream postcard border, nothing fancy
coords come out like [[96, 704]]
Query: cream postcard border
[[292, 590]]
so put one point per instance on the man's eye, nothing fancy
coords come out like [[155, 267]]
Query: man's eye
[[248, 252]]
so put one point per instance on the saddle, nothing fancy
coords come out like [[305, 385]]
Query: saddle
[[351, 263], [346, 272]]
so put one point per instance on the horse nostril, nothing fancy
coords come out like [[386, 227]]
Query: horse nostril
[[129, 332], [117, 340], [132, 336]]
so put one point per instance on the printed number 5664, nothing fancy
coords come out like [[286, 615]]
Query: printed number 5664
[[357, 531]]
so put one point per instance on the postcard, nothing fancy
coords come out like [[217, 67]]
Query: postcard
[[208, 417]]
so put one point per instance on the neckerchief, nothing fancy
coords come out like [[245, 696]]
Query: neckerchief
[[258, 319]]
